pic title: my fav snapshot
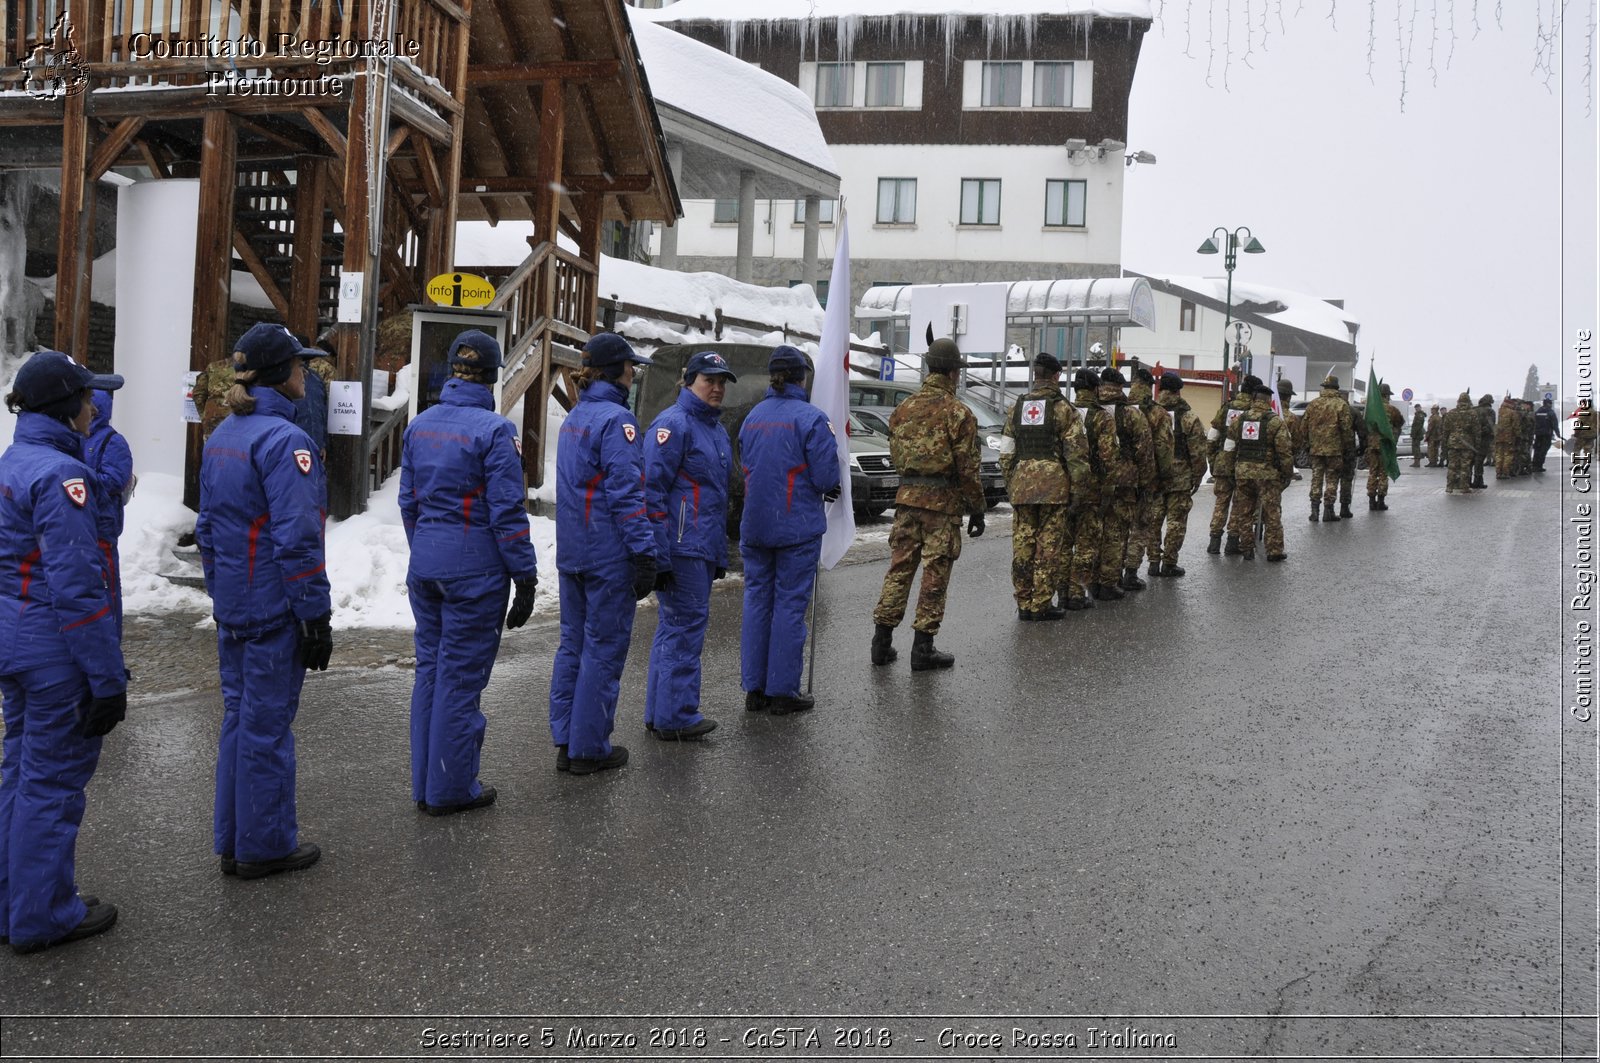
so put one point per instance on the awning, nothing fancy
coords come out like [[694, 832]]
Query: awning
[[1079, 301]]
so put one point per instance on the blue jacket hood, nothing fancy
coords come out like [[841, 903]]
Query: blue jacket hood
[[102, 412]]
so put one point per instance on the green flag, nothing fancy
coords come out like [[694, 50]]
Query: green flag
[[1378, 425]]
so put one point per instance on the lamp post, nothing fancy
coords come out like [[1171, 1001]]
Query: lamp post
[[1229, 242]]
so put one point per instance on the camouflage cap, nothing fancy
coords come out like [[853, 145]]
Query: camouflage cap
[[944, 356]]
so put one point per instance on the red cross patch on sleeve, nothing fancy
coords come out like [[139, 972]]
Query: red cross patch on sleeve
[[76, 491], [662, 435], [302, 459], [631, 432]]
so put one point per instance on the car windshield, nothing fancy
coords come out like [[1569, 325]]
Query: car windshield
[[870, 422], [988, 419]]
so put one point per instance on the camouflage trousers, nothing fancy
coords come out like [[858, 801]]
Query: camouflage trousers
[[1081, 559], [928, 538], [1269, 497], [1416, 451], [1174, 510], [1521, 459], [1377, 474], [1117, 517], [1223, 490], [1144, 531], [1347, 479], [1458, 475], [1325, 474], [1038, 553], [1502, 461], [1433, 452]]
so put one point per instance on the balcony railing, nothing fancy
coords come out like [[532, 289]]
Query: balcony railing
[[550, 300]]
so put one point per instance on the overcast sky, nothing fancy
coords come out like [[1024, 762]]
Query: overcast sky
[[1441, 226]]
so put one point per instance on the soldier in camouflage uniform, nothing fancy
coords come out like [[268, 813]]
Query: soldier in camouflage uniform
[[1419, 428], [1505, 435], [211, 389], [1222, 463], [1043, 454], [1377, 468], [1120, 437], [933, 441], [1485, 440], [1435, 436], [1297, 427], [1263, 466], [1463, 434], [1524, 437], [1329, 424], [1084, 527], [1182, 479], [1144, 534]]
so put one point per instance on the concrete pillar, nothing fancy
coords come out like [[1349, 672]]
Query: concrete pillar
[[808, 254], [744, 269], [668, 259]]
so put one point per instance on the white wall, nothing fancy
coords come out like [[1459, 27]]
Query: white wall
[[937, 233], [1167, 343]]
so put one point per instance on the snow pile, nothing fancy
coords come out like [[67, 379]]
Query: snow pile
[[1299, 310], [155, 518], [713, 86]]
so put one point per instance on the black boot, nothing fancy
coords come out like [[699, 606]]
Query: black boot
[[1232, 549], [1344, 511], [754, 701], [1372, 503], [1130, 580], [1076, 602], [1327, 512], [1155, 568], [1215, 545], [1381, 504], [1107, 592], [924, 656], [883, 651], [1171, 571], [1315, 512]]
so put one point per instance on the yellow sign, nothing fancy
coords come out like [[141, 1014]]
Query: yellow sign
[[460, 289]]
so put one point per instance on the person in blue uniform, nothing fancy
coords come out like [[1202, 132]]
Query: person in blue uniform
[[791, 467], [108, 454], [62, 679], [260, 533], [688, 462], [605, 552], [464, 508]]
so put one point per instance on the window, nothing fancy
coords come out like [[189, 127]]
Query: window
[[1002, 84], [836, 84], [1052, 84], [725, 212], [1186, 316], [886, 84], [980, 202], [1185, 361], [828, 206], [897, 200], [1063, 202]]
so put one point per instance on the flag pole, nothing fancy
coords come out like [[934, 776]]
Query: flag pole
[[816, 599]]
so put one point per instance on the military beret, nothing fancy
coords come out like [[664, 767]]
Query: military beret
[[1263, 389], [1171, 381], [1144, 375], [1250, 383], [1047, 362], [1085, 379], [1110, 375]]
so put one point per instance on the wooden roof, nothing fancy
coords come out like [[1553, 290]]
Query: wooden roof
[[613, 141]]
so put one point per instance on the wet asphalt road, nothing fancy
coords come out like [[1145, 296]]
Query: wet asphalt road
[[1241, 800]]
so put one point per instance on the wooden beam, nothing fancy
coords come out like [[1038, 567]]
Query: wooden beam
[[305, 282], [75, 227], [347, 455], [329, 132], [279, 133], [214, 240], [440, 248], [152, 158], [113, 146], [428, 165], [546, 223], [529, 185], [396, 139], [522, 73], [258, 269]]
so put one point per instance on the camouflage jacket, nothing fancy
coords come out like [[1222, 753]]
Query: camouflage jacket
[[1486, 427], [1505, 429], [1435, 424], [1087, 492], [1397, 423], [211, 389], [1188, 444], [1119, 442], [1330, 425], [933, 442], [1055, 479], [1261, 444], [1419, 424], [1462, 429], [323, 367], [1297, 429], [1221, 457], [1162, 441]]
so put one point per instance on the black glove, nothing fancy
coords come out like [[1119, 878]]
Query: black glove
[[975, 525], [720, 573], [522, 602], [100, 715], [644, 576], [665, 581], [316, 643], [832, 493]]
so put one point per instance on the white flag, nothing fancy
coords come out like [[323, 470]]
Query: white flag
[[830, 392]]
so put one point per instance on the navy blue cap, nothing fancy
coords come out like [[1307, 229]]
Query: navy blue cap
[[50, 376], [488, 348], [265, 345], [1171, 381], [708, 363], [787, 357], [608, 349]]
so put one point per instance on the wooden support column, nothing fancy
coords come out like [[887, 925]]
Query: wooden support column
[[213, 267], [75, 232], [440, 254], [591, 218], [305, 285], [347, 455], [546, 224]]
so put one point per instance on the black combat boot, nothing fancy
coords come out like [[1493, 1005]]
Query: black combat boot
[[1076, 602], [1381, 504], [1315, 511], [1232, 549], [1372, 503], [1215, 545], [1249, 551], [1327, 512], [1155, 568], [1107, 592], [1051, 611], [1170, 570], [924, 656], [1130, 580], [1344, 511], [883, 651]]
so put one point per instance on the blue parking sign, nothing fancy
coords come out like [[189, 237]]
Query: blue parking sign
[[886, 369], [1549, 396]]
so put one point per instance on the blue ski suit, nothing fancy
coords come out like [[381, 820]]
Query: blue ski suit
[[108, 454], [790, 460], [464, 507], [58, 648], [602, 523], [311, 412], [688, 462], [260, 533]]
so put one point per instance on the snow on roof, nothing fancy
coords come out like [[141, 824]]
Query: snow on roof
[[797, 10], [1294, 309], [1126, 299], [710, 84], [703, 294]]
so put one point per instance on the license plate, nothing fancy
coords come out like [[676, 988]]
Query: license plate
[[891, 481]]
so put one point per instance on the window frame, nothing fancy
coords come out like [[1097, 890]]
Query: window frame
[[900, 183], [983, 92], [1040, 65], [900, 84], [981, 182], [849, 86], [826, 216], [1187, 313], [1066, 203], [716, 208]]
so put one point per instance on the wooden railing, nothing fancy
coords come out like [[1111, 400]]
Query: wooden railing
[[179, 42], [549, 300]]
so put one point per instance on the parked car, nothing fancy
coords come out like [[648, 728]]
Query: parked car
[[878, 398], [873, 480]]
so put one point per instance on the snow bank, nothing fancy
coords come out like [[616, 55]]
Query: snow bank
[[1304, 312]]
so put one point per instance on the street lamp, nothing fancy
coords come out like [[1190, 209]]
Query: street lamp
[[1230, 240]]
